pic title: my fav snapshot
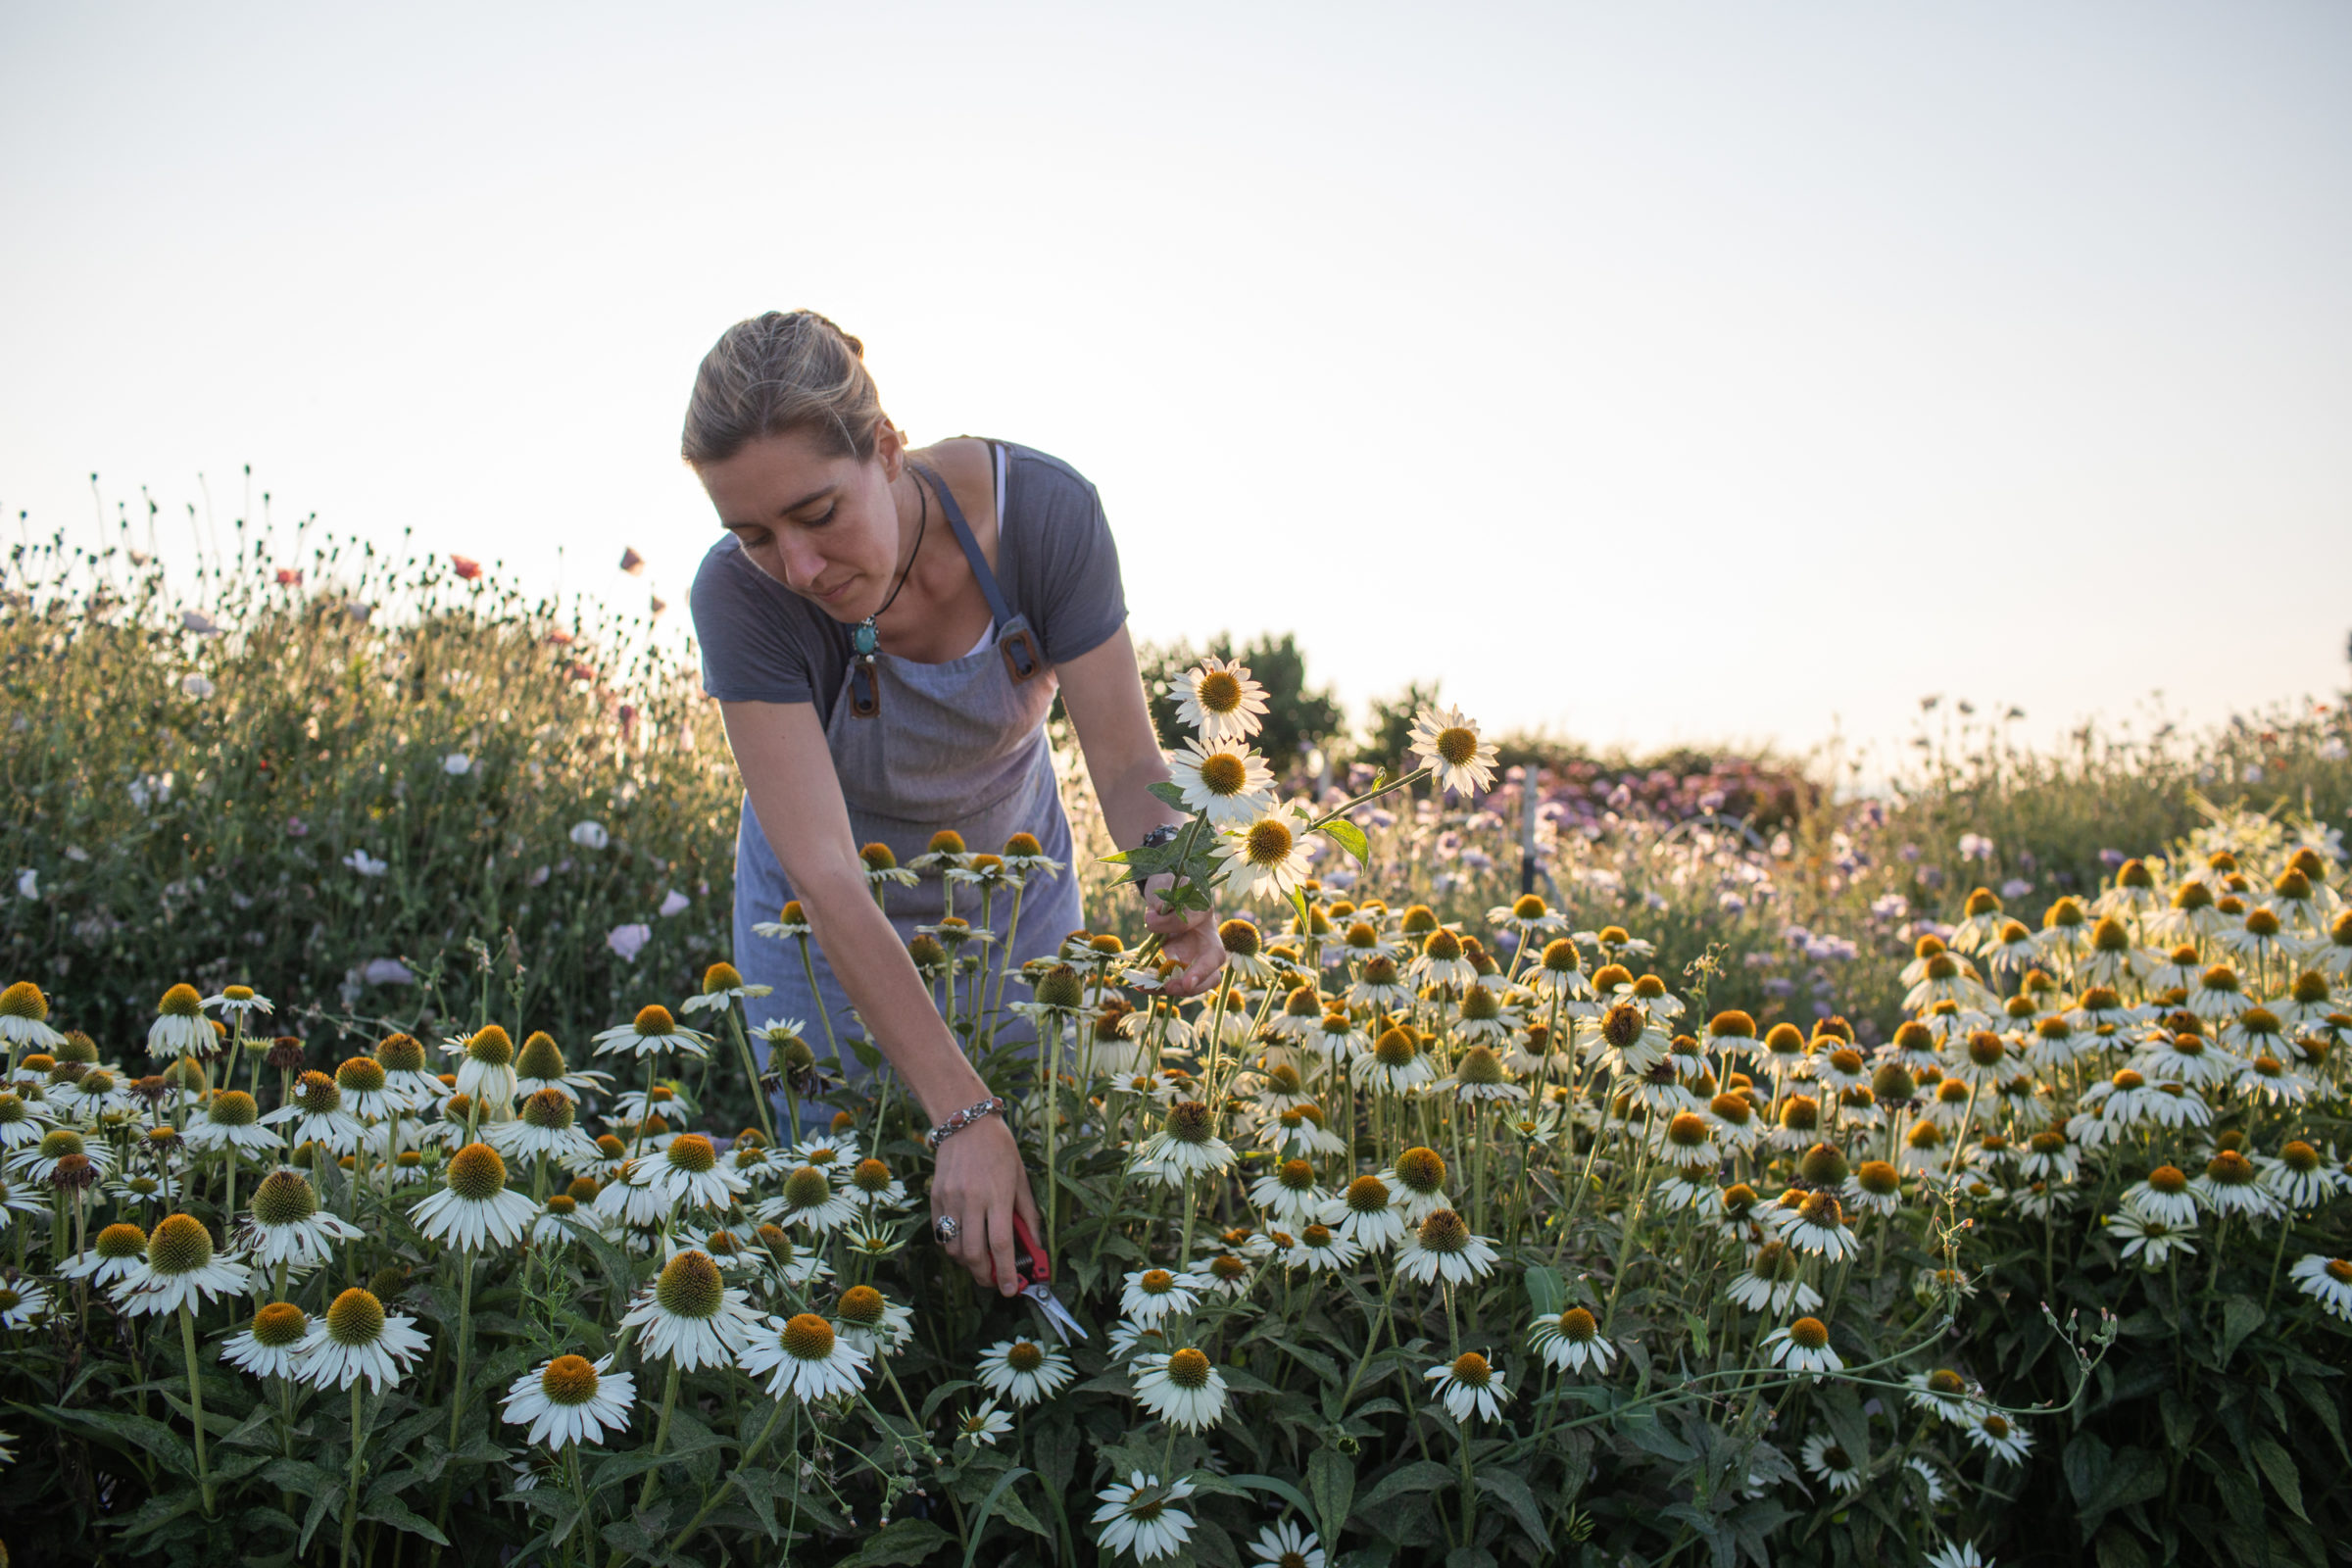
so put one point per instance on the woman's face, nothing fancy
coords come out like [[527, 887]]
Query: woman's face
[[826, 528]]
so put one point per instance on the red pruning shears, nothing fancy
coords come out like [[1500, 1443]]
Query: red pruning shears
[[1036, 1273]]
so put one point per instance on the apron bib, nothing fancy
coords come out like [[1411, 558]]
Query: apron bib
[[921, 748]]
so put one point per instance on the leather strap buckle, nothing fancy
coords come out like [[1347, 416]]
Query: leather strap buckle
[[1021, 658]]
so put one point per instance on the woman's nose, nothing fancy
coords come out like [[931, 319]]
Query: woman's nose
[[801, 564]]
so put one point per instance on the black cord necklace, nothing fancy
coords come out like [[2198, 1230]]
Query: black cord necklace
[[865, 639]]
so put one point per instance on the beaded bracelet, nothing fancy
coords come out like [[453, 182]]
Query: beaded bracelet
[[961, 1119]]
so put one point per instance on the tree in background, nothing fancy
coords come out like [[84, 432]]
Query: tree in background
[[1298, 718]]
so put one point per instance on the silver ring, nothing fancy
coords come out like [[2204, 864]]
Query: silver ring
[[945, 1228]]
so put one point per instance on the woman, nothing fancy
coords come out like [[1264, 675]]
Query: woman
[[885, 631]]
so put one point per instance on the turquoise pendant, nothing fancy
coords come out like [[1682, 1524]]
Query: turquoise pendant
[[865, 639]]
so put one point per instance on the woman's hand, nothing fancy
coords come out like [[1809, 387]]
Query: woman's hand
[[1189, 937], [979, 1180]]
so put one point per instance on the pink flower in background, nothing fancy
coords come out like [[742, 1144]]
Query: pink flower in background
[[629, 940], [631, 562], [387, 972], [676, 903], [297, 828], [289, 577], [467, 566]]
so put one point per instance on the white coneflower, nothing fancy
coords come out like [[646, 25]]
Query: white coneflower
[[1218, 700], [544, 1127], [1773, 1282], [1181, 1388], [985, 1425], [691, 1316], [241, 1004], [1227, 1274], [181, 1028], [271, 1345], [358, 1338], [1290, 1193], [1997, 1435], [1571, 1342], [1944, 1394], [474, 1210], [1829, 1461], [1367, 1214], [540, 1064], [569, 1399], [1153, 1295], [2325, 1280], [1804, 1346], [314, 1113], [1874, 1188], [1319, 1250], [113, 1253], [1469, 1384], [791, 921], [1379, 986], [1627, 1041], [24, 1019], [1266, 858], [1227, 784], [1416, 1184], [403, 1059], [2163, 1195], [2232, 1186], [652, 1032], [2298, 1178], [872, 1183], [93, 1097], [803, 1356], [1299, 1132], [723, 986], [2266, 1079], [1447, 744], [1952, 1553], [21, 1121], [2150, 1240], [2186, 1059], [1128, 1340], [179, 1270], [809, 1198], [1285, 1546], [1395, 1062], [797, 1267], [38, 1164], [553, 1227], [1025, 858], [1024, 1371], [1184, 1150], [1443, 1248], [1479, 1075], [1818, 1227], [871, 1323], [486, 1071], [21, 1304], [285, 1224], [687, 1171]]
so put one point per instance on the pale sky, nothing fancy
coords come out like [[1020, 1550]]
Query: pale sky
[[1649, 372]]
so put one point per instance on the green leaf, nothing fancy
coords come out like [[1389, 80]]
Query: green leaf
[[988, 1505], [1281, 1489], [902, 1542], [390, 1510], [1517, 1496], [1166, 790], [1547, 1290], [161, 1509], [138, 1436], [1298, 902], [2279, 1466], [2241, 1316], [1331, 1477], [1422, 1475], [1348, 836]]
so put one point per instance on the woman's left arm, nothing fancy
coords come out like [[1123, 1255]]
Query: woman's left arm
[[1105, 699]]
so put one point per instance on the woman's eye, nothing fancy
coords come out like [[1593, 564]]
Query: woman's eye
[[820, 522]]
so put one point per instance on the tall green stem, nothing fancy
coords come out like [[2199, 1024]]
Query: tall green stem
[[351, 1491], [457, 1395], [187, 1345]]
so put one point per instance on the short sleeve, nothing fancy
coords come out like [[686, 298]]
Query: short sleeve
[[1069, 582], [748, 628]]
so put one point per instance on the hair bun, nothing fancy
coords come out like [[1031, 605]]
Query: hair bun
[[855, 347]]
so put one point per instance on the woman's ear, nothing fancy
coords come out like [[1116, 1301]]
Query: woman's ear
[[891, 448]]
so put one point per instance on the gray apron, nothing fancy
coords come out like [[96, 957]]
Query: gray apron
[[919, 748]]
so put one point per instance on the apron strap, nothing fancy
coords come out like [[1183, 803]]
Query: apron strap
[[1013, 638]]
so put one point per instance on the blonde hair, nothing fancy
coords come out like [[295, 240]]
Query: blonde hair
[[782, 371]]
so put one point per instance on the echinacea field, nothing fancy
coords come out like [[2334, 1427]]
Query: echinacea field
[[1573, 1165]]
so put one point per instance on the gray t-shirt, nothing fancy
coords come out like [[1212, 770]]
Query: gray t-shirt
[[1055, 562]]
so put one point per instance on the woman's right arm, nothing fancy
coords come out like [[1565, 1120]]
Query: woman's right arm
[[788, 772]]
